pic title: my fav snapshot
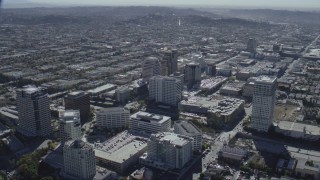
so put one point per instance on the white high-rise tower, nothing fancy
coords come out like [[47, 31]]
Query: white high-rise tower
[[263, 103], [167, 90]]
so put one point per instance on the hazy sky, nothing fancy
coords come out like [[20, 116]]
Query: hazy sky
[[255, 3]]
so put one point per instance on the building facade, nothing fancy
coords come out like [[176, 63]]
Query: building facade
[[252, 45], [122, 95], [192, 74], [189, 129], [166, 90], [149, 123], [169, 62], [33, 111], [263, 103], [70, 125], [167, 151], [79, 100], [109, 118], [151, 67], [79, 160]]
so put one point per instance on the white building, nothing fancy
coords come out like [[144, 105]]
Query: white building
[[79, 160], [150, 67], [189, 129], [263, 103], [34, 111], [120, 152], [70, 125], [116, 117], [192, 74], [167, 90], [167, 151], [149, 123]]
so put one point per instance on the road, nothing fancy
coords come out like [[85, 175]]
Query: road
[[219, 141], [308, 47]]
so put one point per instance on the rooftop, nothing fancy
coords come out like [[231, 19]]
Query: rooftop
[[120, 148], [150, 117], [172, 138], [30, 89], [111, 110], [266, 79], [299, 127], [187, 128], [77, 144]]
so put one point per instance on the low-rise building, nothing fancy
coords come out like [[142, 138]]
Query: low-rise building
[[298, 130], [223, 108], [109, 118], [120, 152], [149, 123], [233, 153]]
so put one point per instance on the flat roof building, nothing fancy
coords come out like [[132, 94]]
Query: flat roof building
[[187, 128], [263, 103], [70, 125], [33, 111], [167, 151], [79, 160], [120, 152], [78, 100], [115, 117], [149, 123]]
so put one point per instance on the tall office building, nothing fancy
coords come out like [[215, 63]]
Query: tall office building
[[34, 111], [79, 160], [70, 125], [263, 103], [169, 62], [151, 67], [78, 100], [192, 74], [252, 45], [167, 150], [123, 95], [116, 117], [189, 129], [166, 90]]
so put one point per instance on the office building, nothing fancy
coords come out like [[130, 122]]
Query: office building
[[122, 95], [252, 45], [166, 90], [70, 125], [79, 160], [192, 74], [179, 76], [189, 129], [263, 103], [149, 123], [150, 67], [169, 62], [33, 111], [120, 152], [109, 118], [79, 100], [167, 151]]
